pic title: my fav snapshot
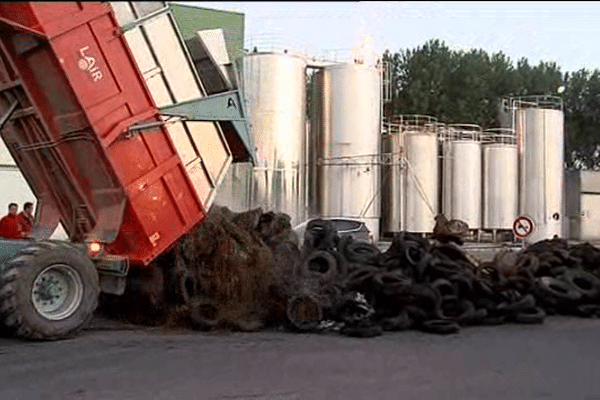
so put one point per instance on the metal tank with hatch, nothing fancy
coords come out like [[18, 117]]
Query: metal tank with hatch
[[391, 177], [275, 88], [462, 174], [539, 124], [500, 179], [349, 140], [410, 179]]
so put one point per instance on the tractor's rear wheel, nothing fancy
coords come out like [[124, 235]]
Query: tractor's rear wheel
[[48, 292]]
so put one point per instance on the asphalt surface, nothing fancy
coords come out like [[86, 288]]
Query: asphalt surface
[[559, 359]]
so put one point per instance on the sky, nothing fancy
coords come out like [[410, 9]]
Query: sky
[[566, 32]]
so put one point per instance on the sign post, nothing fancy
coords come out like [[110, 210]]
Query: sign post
[[523, 227]]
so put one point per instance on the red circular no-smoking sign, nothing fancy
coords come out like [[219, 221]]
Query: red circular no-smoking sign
[[523, 226]]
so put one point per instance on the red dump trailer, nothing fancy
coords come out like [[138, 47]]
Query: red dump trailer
[[84, 128]]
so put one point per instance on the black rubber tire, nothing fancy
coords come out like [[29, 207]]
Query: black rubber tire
[[351, 268], [451, 251], [320, 234], [17, 284], [526, 302], [417, 313], [441, 269], [444, 287], [533, 315], [467, 314], [478, 316], [553, 290], [321, 263], [426, 298], [391, 283], [588, 310], [463, 284], [587, 284], [413, 253], [361, 280], [521, 283], [440, 326], [361, 252], [401, 322], [528, 262]]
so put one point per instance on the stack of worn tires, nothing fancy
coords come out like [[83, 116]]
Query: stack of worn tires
[[246, 271], [432, 286]]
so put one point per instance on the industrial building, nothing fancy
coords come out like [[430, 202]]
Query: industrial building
[[337, 156]]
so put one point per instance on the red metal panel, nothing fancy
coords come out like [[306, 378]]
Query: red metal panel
[[82, 79], [20, 13]]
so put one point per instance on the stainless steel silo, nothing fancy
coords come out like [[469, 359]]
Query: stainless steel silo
[[463, 174], [539, 123], [391, 177], [349, 144], [410, 183], [275, 88], [500, 179], [421, 172]]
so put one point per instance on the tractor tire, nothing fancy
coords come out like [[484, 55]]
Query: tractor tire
[[48, 291]]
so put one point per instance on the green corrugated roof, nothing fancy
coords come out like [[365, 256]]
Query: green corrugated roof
[[190, 19]]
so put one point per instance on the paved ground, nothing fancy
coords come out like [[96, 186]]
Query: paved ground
[[110, 360], [557, 360]]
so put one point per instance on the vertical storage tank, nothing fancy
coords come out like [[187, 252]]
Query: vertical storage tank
[[410, 179], [500, 179], [420, 173], [275, 88], [539, 123], [462, 174], [349, 144], [391, 177]]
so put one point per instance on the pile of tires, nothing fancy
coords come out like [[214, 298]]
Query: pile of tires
[[249, 272], [437, 287]]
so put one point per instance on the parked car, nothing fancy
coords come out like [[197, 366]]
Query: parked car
[[345, 227]]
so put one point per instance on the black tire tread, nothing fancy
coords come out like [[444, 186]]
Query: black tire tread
[[13, 316]]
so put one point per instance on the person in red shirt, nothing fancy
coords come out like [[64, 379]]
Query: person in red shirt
[[26, 218], [10, 228]]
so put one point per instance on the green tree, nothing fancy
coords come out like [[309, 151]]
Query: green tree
[[582, 118], [458, 86]]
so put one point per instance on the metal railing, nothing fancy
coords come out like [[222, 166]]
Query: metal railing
[[499, 136], [468, 132]]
